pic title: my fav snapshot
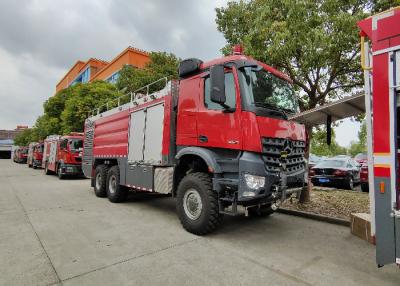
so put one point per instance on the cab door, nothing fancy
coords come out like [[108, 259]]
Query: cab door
[[216, 126]]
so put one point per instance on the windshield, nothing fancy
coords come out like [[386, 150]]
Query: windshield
[[360, 156], [331, 164], [75, 144], [264, 89]]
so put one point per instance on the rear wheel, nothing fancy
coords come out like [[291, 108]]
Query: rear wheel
[[115, 192], [197, 204], [100, 181], [364, 188]]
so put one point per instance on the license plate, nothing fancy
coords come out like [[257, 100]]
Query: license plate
[[323, 180]]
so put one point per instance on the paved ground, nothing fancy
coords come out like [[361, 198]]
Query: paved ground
[[58, 232]]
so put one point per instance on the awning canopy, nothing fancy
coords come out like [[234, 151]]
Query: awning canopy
[[340, 109]]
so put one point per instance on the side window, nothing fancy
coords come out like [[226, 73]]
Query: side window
[[63, 144], [230, 93]]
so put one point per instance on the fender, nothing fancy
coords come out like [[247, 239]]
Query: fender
[[206, 154]]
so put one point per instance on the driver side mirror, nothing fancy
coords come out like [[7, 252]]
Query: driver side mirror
[[217, 80]]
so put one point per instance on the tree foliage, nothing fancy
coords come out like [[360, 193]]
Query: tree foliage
[[319, 146], [67, 110], [25, 137], [83, 99], [315, 42], [161, 65]]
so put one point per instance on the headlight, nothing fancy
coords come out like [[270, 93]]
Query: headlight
[[254, 182]]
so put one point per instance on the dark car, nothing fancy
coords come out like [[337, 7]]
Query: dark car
[[313, 160], [339, 172]]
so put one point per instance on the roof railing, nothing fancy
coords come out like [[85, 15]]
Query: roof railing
[[131, 97]]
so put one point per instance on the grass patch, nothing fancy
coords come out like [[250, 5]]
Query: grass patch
[[332, 202]]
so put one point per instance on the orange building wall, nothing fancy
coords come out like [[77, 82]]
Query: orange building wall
[[70, 76], [130, 56]]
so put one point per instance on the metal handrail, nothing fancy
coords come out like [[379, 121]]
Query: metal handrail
[[132, 96]]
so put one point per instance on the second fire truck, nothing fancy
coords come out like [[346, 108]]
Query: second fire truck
[[62, 155]]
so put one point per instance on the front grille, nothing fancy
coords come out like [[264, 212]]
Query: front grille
[[281, 154]]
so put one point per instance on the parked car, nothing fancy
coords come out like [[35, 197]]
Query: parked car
[[339, 172], [313, 160]]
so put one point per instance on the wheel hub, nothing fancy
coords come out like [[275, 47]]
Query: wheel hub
[[112, 186], [98, 179], [192, 204]]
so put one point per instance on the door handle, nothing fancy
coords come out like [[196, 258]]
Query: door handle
[[203, 139]]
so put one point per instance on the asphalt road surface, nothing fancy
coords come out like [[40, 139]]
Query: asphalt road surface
[[57, 232]]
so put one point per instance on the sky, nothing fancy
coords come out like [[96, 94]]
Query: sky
[[41, 39]]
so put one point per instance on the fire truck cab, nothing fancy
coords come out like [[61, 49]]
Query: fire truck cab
[[381, 64], [216, 139], [62, 155]]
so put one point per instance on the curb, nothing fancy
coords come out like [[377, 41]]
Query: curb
[[317, 217]]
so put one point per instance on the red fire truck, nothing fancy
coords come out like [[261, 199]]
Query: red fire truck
[[216, 139], [62, 155], [35, 154], [21, 155], [381, 63]]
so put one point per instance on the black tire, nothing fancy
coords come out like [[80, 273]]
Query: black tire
[[59, 172], [200, 186], [262, 211], [29, 166], [364, 188], [100, 185], [46, 169], [349, 184], [115, 192]]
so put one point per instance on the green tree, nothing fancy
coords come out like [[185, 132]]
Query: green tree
[[161, 65], [25, 137], [319, 146], [83, 99]]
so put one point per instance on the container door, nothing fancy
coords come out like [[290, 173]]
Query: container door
[[136, 136], [154, 134]]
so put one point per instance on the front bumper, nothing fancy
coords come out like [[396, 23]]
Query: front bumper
[[37, 163], [71, 169], [278, 185]]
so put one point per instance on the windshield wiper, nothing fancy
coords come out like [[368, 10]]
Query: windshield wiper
[[272, 107]]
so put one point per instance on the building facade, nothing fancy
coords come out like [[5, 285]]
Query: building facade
[[95, 69]]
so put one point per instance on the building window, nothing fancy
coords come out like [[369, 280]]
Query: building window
[[83, 77], [113, 78]]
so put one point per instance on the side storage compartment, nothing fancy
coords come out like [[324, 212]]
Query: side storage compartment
[[146, 128]]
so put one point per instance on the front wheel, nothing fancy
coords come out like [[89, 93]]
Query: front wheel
[[115, 192], [59, 172], [100, 181], [350, 184], [197, 204]]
